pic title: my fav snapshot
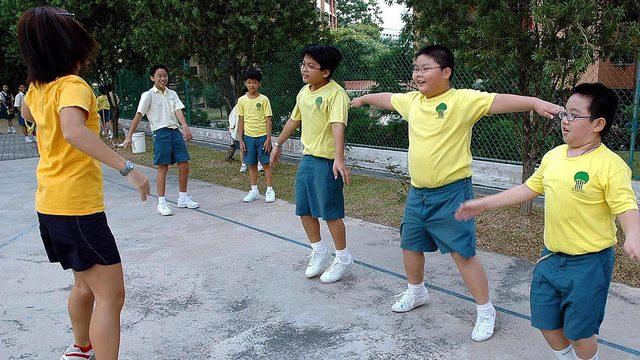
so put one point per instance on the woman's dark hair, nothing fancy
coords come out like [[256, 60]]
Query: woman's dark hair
[[53, 44]]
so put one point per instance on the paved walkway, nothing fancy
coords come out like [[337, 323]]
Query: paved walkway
[[226, 282], [12, 146]]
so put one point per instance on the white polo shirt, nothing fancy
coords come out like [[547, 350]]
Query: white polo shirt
[[160, 108], [18, 100]]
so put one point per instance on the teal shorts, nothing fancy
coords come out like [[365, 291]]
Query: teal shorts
[[169, 147], [569, 292], [428, 223], [318, 193]]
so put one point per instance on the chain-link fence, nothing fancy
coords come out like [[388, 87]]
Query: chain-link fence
[[388, 68]]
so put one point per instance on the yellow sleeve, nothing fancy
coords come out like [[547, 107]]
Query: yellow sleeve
[[267, 107], [534, 182], [478, 103], [402, 103], [295, 113], [240, 106], [339, 107], [618, 192], [76, 94]]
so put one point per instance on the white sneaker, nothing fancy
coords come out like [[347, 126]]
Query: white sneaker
[[335, 271], [74, 353], [316, 263], [186, 202], [251, 196], [27, 140], [408, 301], [270, 196], [12, 130], [164, 209], [260, 167], [110, 136], [243, 168], [483, 330]]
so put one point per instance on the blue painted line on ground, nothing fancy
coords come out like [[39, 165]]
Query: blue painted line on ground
[[18, 236], [610, 344]]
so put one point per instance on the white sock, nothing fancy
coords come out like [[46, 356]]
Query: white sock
[[565, 354], [26, 138], [269, 188], [319, 246], [343, 255], [182, 195], [486, 309], [254, 188], [162, 200], [418, 290]]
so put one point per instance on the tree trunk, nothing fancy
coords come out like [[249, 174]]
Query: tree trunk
[[528, 153]]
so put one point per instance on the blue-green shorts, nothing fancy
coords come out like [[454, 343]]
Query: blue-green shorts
[[569, 292], [255, 150], [169, 147], [428, 223], [318, 193]]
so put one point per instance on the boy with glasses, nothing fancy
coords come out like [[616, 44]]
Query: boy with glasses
[[586, 187], [440, 121], [321, 109]]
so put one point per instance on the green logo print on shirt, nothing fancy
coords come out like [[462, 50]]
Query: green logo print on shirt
[[318, 102], [581, 178], [258, 106], [441, 108]]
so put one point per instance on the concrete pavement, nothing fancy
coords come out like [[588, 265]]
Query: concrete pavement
[[226, 282]]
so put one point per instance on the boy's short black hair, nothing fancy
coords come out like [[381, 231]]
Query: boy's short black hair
[[441, 55], [327, 56], [253, 73], [604, 103], [53, 44], [155, 68]]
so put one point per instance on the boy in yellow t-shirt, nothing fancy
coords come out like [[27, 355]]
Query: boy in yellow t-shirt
[[440, 120], [586, 186], [254, 134], [104, 110], [321, 109]]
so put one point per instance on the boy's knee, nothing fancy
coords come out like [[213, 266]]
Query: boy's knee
[[114, 298]]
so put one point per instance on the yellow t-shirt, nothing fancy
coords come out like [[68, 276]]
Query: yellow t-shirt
[[440, 133], [254, 112], [103, 103], [69, 181], [582, 196], [318, 110]]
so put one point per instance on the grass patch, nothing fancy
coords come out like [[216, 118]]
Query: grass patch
[[381, 201]]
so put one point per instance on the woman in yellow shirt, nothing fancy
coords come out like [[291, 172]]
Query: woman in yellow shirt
[[70, 198]]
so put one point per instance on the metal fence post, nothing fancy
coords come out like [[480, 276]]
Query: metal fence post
[[636, 111], [187, 96]]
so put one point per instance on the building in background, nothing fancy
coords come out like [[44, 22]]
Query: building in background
[[328, 9]]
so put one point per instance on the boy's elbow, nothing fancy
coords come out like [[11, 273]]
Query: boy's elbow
[[71, 134]]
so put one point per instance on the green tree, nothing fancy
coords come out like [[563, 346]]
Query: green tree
[[539, 48], [351, 12]]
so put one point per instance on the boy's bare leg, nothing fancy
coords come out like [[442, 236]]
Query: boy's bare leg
[[338, 233], [183, 176], [268, 174], [474, 277], [253, 174], [311, 227], [585, 348], [107, 285], [161, 180], [556, 339], [413, 266]]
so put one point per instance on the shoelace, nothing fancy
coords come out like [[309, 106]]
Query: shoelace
[[482, 322], [404, 300]]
